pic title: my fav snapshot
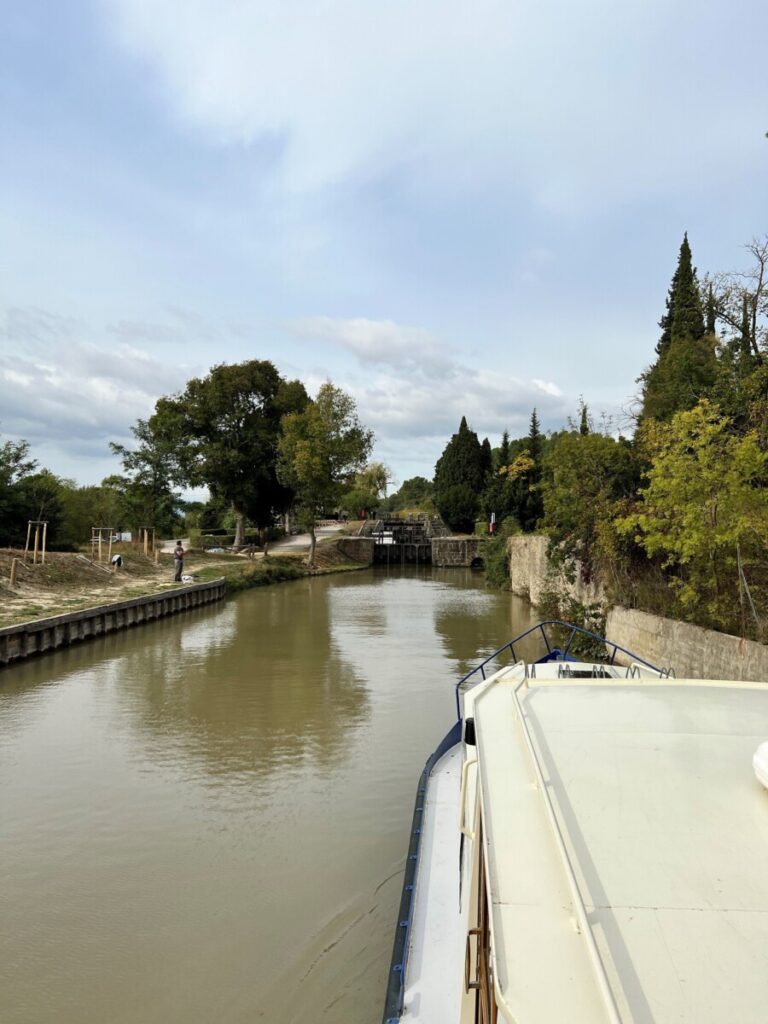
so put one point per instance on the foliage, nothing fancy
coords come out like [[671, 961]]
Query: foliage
[[320, 450], [146, 490], [222, 432], [585, 476], [368, 488], [686, 367], [704, 511], [458, 507], [15, 466], [496, 555], [461, 475], [414, 493]]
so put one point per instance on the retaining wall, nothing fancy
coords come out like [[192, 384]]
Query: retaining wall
[[693, 652], [457, 552], [531, 574], [359, 548], [43, 635]]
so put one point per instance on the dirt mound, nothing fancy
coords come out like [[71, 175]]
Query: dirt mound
[[68, 580]]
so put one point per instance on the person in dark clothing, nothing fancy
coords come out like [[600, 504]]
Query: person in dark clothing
[[178, 561]]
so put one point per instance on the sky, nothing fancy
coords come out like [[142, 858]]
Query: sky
[[445, 208]]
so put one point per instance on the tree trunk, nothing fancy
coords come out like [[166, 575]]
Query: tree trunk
[[312, 542], [239, 528]]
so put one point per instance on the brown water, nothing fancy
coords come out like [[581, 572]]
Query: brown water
[[206, 819]]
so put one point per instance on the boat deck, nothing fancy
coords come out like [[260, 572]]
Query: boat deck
[[666, 828]]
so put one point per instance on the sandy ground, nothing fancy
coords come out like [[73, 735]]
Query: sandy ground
[[68, 581]]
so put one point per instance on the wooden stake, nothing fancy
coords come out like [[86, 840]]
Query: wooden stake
[[37, 541], [14, 568], [109, 554], [100, 558], [26, 546], [45, 535]]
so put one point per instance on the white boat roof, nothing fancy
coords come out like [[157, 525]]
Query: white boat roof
[[652, 790]]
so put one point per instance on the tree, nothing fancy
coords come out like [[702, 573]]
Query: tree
[[460, 477], [740, 302], [704, 512], [320, 450], [585, 476], [414, 493], [529, 499], [15, 466], [686, 366], [584, 421], [146, 492], [223, 430], [368, 488]]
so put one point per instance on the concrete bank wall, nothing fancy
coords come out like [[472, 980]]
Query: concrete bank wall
[[358, 548], [457, 552], [43, 635], [693, 652], [531, 574]]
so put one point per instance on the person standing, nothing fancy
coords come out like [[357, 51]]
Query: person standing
[[178, 561]]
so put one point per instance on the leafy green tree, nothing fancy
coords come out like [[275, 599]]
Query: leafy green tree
[[460, 478], [368, 489], [586, 475], [320, 450], [222, 432], [146, 492], [85, 507], [686, 367], [704, 511], [41, 497], [15, 466], [414, 493]]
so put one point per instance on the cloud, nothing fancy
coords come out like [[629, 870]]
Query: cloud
[[57, 388], [563, 100], [414, 391], [378, 342]]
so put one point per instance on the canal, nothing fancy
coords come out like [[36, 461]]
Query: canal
[[205, 819]]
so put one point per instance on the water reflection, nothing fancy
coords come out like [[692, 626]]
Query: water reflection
[[260, 686], [469, 622]]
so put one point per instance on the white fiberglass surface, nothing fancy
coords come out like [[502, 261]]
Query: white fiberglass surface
[[667, 829], [434, 971]]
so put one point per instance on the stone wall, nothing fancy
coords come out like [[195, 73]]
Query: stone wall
[[41, 635], [457, 552], [693, 652], [531, 574], [358, 548]]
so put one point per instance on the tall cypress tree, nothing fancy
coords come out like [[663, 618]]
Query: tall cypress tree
[[531, 505], [686, 365], [460, 479], [503, 459], [584, 423], [486, 456]]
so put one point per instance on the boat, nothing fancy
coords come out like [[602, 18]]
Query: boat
[[589, 843]]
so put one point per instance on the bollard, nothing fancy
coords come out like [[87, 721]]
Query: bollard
[[14, 568]]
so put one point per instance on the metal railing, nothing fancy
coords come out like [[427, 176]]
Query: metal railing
[[553, 653]]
